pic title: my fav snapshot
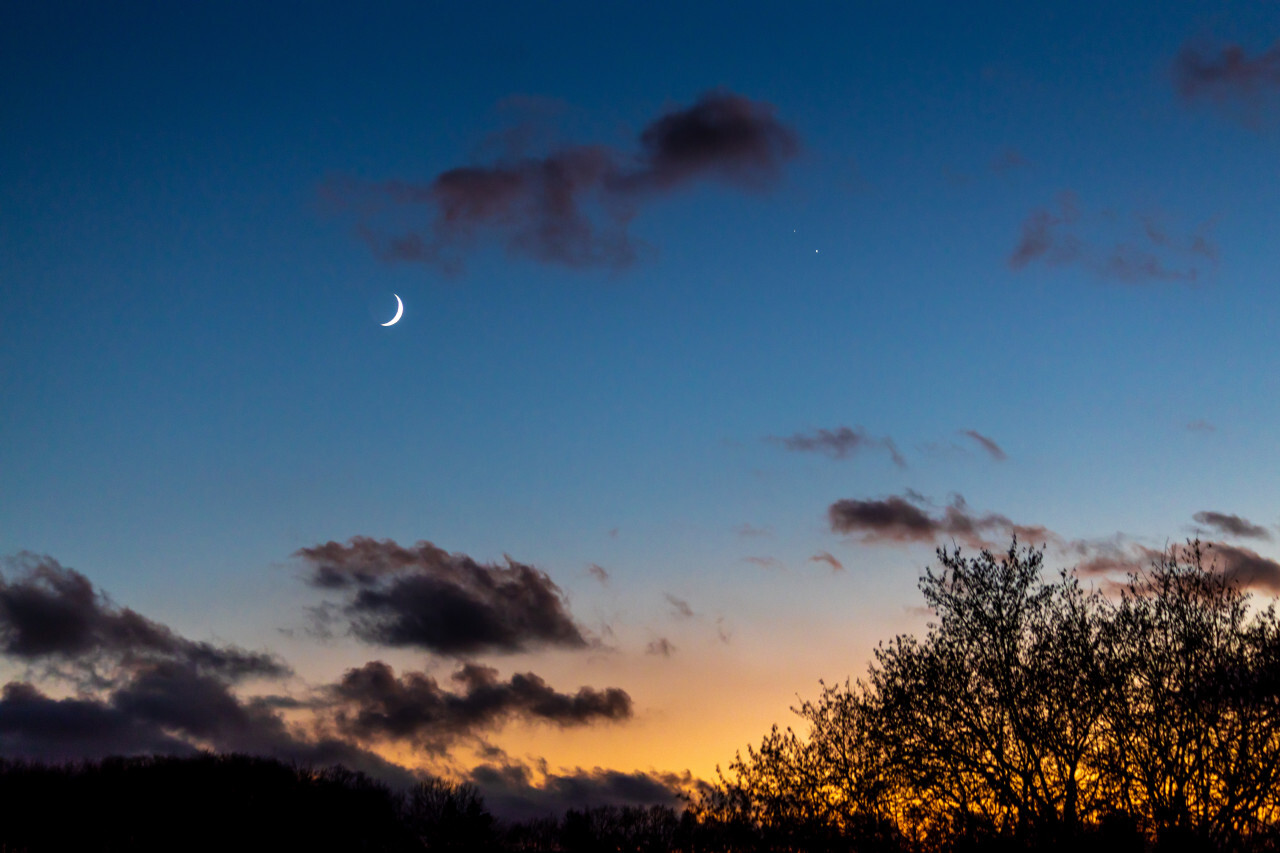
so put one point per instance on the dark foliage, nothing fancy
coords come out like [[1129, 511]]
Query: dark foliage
[[205, 802], [1035, 716]]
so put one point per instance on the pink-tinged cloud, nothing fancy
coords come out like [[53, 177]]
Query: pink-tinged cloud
[[1146, 253], [824, 557], [571, 207], [839, 443], [900, 521], [1117, 559], [1226, 71], [994, 450]]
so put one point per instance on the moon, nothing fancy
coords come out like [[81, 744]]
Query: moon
[[399, 311]]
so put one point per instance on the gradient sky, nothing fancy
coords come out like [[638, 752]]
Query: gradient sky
[[963, 270]]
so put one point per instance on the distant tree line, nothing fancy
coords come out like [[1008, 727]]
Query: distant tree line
[[246, 803], [1035, 716]]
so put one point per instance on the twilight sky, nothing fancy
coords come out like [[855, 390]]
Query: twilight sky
[[717, 321]]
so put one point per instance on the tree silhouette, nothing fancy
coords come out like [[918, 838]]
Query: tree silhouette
[[446, 816], [1034, 715]]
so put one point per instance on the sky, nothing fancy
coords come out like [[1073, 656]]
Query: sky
[[718, 320]]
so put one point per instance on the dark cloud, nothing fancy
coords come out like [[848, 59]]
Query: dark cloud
[[572, 206], [661, 646], [824, 557], [514, 791], [1149, 253], [1226, 72], [598, 572], [34, 726], [679, 606], [169, 709], [372, 703], [839, 443], [997, 453], [1120, 557], [898, 520], [723, 135], [54, 615], [1231, 525], [423, 597]]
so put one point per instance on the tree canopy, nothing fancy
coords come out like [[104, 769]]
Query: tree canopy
[[1035, 715]]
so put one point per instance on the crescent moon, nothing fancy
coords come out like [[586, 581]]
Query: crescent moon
[[399, 311]]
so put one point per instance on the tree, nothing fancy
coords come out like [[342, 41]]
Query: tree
[[1034, 715], [448, 816]]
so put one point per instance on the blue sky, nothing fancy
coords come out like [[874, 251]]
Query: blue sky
[[196, 384]]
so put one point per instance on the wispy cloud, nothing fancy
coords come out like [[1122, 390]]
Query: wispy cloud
[[994, 450], [661, 646], [824, 557], [679, 606], [1147, 252], [572, 206], [839, 443], [1226, 73]]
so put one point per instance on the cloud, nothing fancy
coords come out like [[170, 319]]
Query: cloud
[[168, 709], [425, 598], [1008, 160], [1120, 557], [765, 562], [34, 726], [824, 557], [1231, 525], [1225, 72], [748, 531], [1149, 253], [661, 646], [679, 606], [997, 453], [838, 443], [572, 206], [598, 572], [54, 615], [1201, 426], [514, 791], [372, 703], [898, 520]]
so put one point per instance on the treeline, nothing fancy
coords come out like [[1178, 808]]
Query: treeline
[[246, 803], [1035, 716]]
